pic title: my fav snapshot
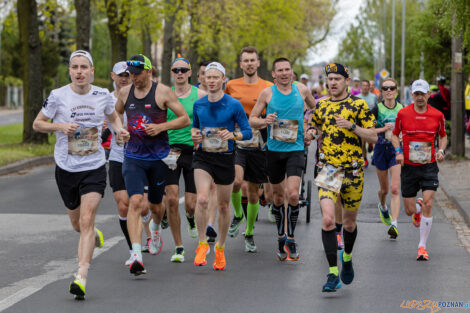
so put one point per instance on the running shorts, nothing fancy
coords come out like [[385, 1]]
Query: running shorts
[[351, 190], [220, 166], [384, 155], [254, 165], [183, 165], [416, 177], [116, 181], [280, 164]]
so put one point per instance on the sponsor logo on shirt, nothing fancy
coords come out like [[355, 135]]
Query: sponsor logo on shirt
[[44, 105], [131, 106], [421, 117], [96, 92]]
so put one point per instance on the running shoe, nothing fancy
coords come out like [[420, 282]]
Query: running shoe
[[271, 216], [416, 217], [262, 200], [422, 254], [129, 261], [201, 251], [155, 243], [77, 287], [385, 215], [137, 266], [393, 232], [340, 241], [236, 222], [178, 257], [281, 253], [211, 234], [164, 222], [99, 241], [366, 164], [347, 271], [250, 245], [332, 283], [219, 262], [191, 226], [145, 247], [291, 249]]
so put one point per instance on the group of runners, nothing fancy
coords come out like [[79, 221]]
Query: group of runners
[[234, 142]]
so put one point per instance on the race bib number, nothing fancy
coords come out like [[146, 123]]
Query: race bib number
[[420, 152], [84, 141], [330, 177], [172, 158], [254, 142], [211, 142], [285, 130]]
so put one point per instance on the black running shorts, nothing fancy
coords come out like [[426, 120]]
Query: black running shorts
[[418, 177], [220, 166], [116, 181], [254, 165], [280, 164], [183, 165]]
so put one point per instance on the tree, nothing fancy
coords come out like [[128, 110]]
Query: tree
[[118, 12], [32, 68], [83, 24]]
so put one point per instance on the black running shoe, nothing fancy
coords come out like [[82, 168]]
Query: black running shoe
[[281, 253], [211, 234], [164, 222]]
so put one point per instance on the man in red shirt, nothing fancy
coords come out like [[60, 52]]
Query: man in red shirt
[[419, 123]]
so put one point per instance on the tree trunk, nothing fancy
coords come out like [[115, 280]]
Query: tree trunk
[[118, 25], [83, 24], [147, 43], [263, 70], [193, 55], [168, 41], [32, 73], [457, 97]]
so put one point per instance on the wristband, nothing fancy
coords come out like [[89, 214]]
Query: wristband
[[442, 151], [398, 150]]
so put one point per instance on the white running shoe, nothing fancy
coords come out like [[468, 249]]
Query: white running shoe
[[155, 243], [129, 261]]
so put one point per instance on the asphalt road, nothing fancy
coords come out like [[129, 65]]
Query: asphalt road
[[11, 117], [38, 257]]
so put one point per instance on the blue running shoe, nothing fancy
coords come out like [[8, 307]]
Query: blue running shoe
[[347, 271], [332, 283]]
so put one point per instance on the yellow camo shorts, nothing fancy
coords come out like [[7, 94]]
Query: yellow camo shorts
[[351, 190]]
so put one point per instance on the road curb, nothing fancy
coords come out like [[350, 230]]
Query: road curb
[[25, 164], [452, 197]]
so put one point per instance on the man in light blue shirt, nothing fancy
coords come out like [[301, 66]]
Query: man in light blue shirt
[[372, 101]]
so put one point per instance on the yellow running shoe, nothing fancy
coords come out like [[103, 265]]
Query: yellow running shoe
[[77, 287], [201, 251], [219, 262], [99, 241]]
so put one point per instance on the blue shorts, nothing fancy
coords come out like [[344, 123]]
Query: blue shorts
[[384, 155], [137, 172]]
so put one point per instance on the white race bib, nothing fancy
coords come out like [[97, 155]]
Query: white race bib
[[388, 135], [254, 142], [211, 142], [420, 152], [330, 177], [285, 130], [84, 141], [172, 158]]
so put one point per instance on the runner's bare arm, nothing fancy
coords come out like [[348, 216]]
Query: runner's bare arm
[[116, 125], [201, 93], [41, 124], [122, 98], [255, 120], [396, 144], [442, 146], [307, 95]]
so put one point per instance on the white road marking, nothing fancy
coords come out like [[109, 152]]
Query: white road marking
[[181, 200], [24, 288]]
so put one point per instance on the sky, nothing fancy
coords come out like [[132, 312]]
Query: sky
[[327, 50]]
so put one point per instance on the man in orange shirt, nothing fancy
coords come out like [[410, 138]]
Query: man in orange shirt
[[250, 157]]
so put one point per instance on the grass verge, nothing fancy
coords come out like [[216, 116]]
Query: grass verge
[[12, 150]]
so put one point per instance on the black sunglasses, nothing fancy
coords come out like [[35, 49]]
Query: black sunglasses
[[183, 70], [392, 88]]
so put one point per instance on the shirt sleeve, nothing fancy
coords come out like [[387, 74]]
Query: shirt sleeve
[[49, 107], [316, 115], [110, 104], [442, 126], [397, 129], [242, 122], [365, 117], [195, 117]]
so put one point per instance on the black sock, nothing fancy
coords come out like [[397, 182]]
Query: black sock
[[330, 245], [292, 216], [338, 227], [245, 206], [349, 239], [278, 212], [123, 224]]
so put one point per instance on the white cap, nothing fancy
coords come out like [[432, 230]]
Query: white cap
[[120, 67], [356, 79], [82, 53], [304, 76], [215, 66], [420, 85]]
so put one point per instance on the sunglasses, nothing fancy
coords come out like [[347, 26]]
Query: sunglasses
[[392, 88], [183, 70], [135, 63]]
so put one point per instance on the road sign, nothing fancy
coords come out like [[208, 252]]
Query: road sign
[[384, 74]]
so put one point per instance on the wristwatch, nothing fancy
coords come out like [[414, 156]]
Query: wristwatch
[[235, 137], [353, 127], [442, 151]]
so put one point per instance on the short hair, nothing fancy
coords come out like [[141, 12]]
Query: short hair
[[278, 60], [155, 72], [204, 63], [366, 81], [248, 49], [389, 80]]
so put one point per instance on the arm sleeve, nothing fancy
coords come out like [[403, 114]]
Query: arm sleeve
[[242, 122], [49, 107], [397, 129], [365, 117]]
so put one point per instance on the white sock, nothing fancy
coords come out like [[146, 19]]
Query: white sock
[[395, 223], [154, 227], [137, 248], [122, 218], [418, 208], [424, 230]]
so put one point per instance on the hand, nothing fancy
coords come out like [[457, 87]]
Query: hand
[[69, 128], [388, 126], [122, 136], [153, 129], [225, 134], [400, 158], [271, 118], [105, 124], [342, 123], [309, 136], [439, 156], [196, 136]]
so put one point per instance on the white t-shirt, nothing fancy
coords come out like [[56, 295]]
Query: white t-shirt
[[117, 151], [81, 151]]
